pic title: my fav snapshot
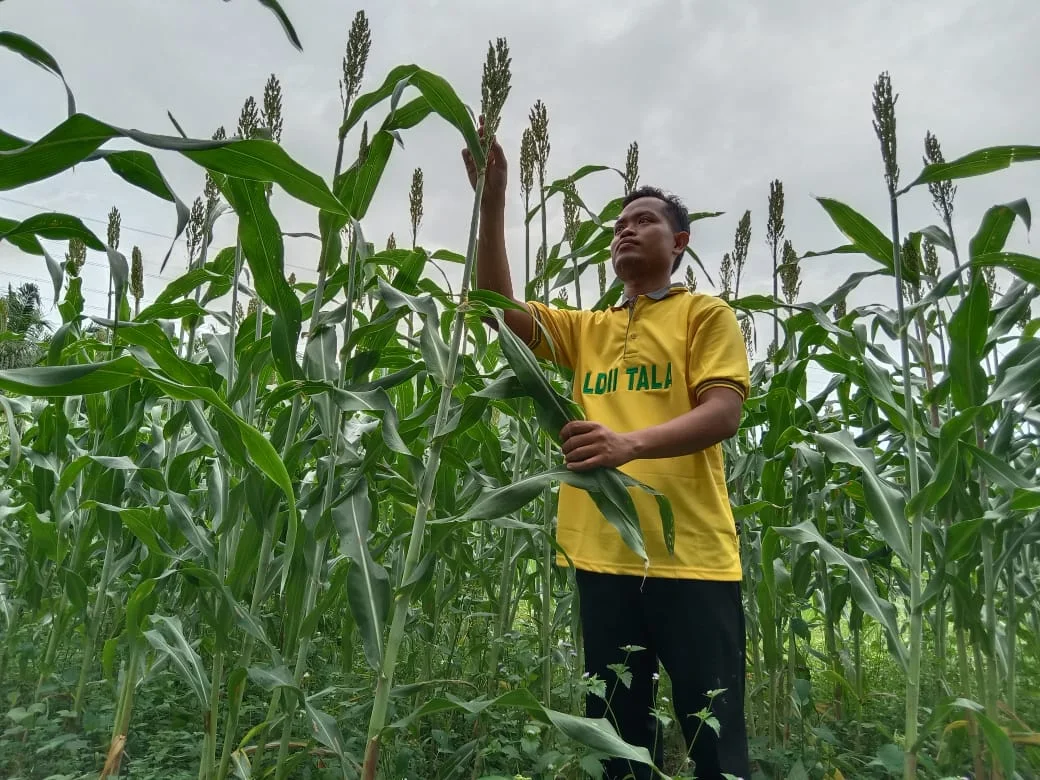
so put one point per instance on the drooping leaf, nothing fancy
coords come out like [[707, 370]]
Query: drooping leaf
[[168, 637], [946, 470], [82, 379], [55, 227], [1025, 267], [14, 438], [283, 19], [996, 226], [444, 100], [79, 136], [864, 235], [999, 471], [154, 340], [554, 410], [364, 102], [261, 240], [886, 504], [57, 272], [326, 731], [140, 170], [37, 55], [862, 581], [368, 585]]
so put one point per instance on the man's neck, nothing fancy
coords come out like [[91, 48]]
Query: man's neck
[[644, 286]]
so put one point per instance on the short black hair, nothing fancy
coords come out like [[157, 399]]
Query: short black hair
[[678, 216]]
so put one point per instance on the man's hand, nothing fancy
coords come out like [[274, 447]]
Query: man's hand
[[588, 445], [495, 180]]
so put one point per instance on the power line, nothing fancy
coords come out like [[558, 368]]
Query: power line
[[132, 229], [94, 219], [45, 279]]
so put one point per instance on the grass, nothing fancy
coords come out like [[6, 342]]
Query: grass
[[163, 742]]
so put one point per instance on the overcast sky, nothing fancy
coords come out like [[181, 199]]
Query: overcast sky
[[721, 97]]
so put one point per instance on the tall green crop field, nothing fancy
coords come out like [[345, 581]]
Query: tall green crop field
[[261, 527]]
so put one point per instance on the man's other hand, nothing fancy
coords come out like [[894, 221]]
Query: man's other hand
[[589, 445]]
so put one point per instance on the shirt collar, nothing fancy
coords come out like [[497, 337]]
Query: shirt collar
[[656, 295]]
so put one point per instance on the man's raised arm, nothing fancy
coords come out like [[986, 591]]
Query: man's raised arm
[[492, 261]]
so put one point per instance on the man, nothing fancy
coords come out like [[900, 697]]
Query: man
[[662, 378]]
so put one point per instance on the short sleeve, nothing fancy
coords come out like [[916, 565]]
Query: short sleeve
[[717, 356], [555, 335]]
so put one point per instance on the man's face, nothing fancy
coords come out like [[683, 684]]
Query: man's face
[[645, 244]]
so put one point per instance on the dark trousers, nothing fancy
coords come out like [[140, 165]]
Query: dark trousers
[[695, 628]]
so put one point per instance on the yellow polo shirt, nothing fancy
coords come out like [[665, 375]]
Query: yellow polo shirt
[[640, 364]]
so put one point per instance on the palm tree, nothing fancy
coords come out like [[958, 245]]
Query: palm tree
[[22, 326]]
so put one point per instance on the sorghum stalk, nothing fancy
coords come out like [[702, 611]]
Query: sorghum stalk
[[232, 332], [94, 621], [829, 634], [930, 270], [121, 722], [423, 506], [943, 193], [249, 121], [1011, 631], [505, 584], [774, 234], [359, 43], [495, 87], [885, 128], [540, 130]]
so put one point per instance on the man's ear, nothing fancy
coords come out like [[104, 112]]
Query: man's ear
[[680, 242]]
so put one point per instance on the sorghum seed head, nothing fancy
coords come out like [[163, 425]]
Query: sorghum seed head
[[114, 223], [136, 273], [726, 276], [272, 113], [196, 229], [527, 162], [494, 87], [415, 202], [691, 279], [539, 117], [359, 43], [741, 242], [249, 118], [931, 260], [75, 257], [944, 191], [632, 168], [363, 150], [571, 219], [885, 128], [790, 273], [775, 223]]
